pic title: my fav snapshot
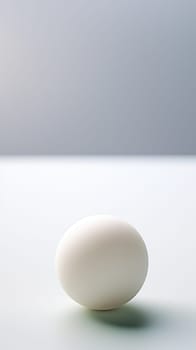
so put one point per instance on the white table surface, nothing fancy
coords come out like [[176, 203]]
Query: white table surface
[[41, 197]]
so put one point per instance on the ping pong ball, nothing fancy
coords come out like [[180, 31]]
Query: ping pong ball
[[101, 262]]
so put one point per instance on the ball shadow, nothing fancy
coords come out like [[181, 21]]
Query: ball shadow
[[127, 316]]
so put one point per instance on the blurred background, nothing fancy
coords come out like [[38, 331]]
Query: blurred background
[[83, 77]]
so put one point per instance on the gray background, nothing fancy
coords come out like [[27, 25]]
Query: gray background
[[97, 77]]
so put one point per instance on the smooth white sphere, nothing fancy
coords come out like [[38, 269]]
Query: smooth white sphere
[[101, 262]]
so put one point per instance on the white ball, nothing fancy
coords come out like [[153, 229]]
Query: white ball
[[101, 262]]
